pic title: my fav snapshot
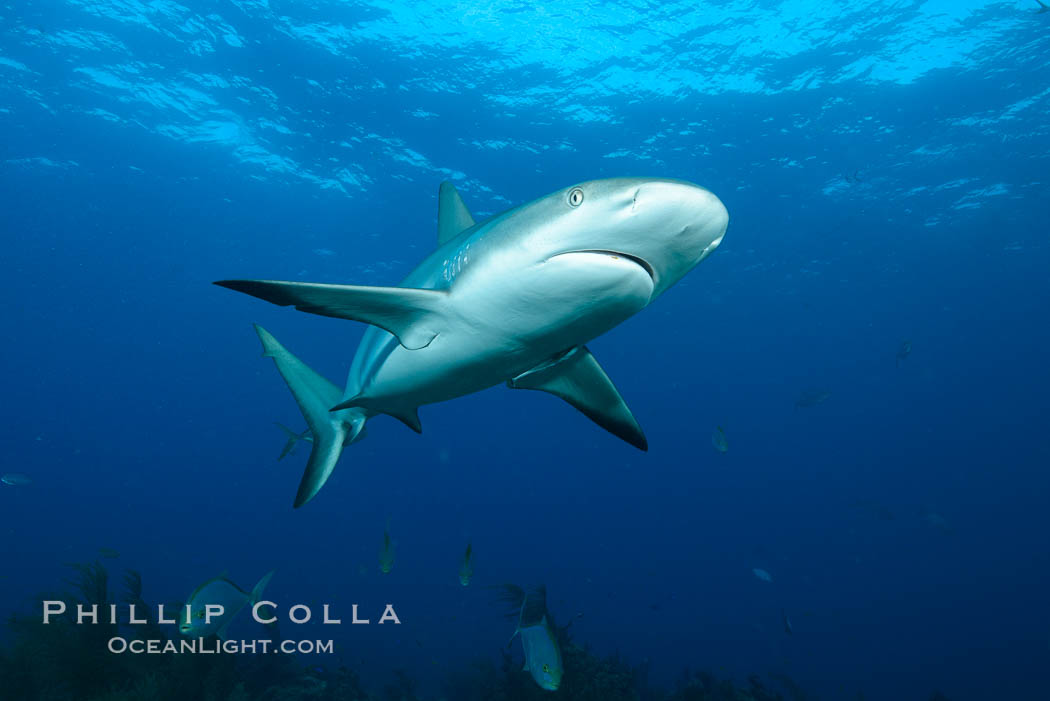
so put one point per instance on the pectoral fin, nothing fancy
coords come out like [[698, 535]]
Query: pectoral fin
[[577, 378], [413, 315]]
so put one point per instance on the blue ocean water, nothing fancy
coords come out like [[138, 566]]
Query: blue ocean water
[[885, 166]]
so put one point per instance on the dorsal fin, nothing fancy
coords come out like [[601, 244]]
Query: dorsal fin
[[576, 377], [453, 216]]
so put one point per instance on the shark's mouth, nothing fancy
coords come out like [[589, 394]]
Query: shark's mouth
[[640, 262]]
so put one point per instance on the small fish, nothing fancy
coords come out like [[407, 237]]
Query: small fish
[[108, 553], [812, 397], [293, 439], [538, 638], [218, 591], [720, 441], [787, 622], [935, 520], [386, 555], [466, 571], [15, 479], [762, 574], [903, 352]]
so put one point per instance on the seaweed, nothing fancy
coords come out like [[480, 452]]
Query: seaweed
[[69, 659], [402, 688], [703, 686], [794, 691], [65, 660]]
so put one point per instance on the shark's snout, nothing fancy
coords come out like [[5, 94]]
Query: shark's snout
[[671, 224], [684, 203], [707, 218]]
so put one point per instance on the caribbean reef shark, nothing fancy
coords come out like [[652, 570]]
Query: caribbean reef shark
[[510, 299]]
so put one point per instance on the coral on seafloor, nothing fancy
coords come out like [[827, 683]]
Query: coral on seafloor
[[63, 661]]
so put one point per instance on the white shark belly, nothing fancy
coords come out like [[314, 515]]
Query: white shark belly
[[502, 324]]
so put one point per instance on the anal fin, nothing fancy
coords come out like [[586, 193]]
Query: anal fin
[[576, 377], [408, 415]]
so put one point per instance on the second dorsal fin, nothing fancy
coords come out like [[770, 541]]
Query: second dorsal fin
[[453, 216]]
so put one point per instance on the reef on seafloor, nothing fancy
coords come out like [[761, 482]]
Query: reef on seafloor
[[63, 661]]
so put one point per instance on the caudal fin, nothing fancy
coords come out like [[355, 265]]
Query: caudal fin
[[289, 446], [257, 591], [314, 395]]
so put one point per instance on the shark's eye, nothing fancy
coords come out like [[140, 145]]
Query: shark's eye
[[546, 669], [575, 197]]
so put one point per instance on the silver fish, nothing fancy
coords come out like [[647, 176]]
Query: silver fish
[[217, 592]]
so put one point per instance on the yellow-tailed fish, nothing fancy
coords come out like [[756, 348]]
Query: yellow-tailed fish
[[720, 440], [467, 570], [386, 555], [222, 592], [539, 639]]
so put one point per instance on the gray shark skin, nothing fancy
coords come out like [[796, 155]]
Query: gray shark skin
[[512, 299]]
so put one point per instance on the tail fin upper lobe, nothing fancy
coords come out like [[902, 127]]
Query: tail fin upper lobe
[[256, 595]]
